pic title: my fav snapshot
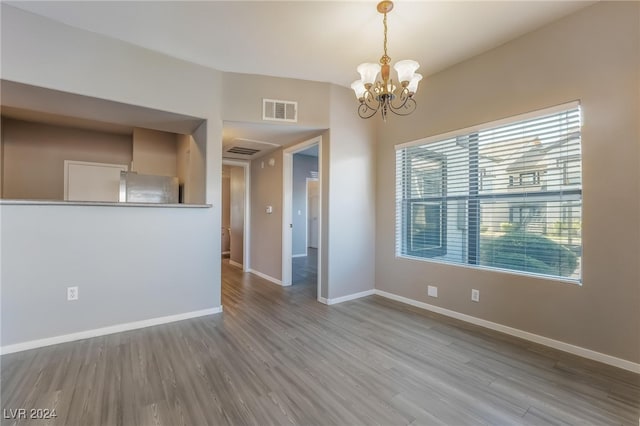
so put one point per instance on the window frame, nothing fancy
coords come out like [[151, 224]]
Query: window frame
[[474, 198]]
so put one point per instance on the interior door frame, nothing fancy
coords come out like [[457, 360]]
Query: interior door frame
[[246, 240], [287, 205]]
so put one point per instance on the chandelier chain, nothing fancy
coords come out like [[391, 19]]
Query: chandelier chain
[[385, 58], [384, 21]]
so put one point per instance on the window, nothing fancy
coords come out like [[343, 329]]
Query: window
[[506, 195], [425, 209]]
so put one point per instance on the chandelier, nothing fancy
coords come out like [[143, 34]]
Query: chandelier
[[375, 95]]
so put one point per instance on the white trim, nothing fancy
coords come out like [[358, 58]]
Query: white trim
[[246, 256], [299, 255], [306, 214], [350, 297], [491, 124], [491, 269], [287, 218], [267, 277], [236, 264], [323, 300], [321, 219], [226, 252], [97, 332], [556, 344]]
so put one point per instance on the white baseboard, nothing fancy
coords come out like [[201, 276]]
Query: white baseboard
[[266, 277], [323, 300], [349, 297], [236, 264], [87, 334], [300, 255], [556, 344], [226, 252]]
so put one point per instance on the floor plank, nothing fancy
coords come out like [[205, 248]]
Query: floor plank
[[278, 357]]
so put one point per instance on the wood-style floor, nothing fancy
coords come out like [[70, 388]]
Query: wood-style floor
[[276, 356], [304, 269]]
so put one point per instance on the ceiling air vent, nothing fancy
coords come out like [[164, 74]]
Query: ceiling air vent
[[246, 149], [242, 151], [274, 110]]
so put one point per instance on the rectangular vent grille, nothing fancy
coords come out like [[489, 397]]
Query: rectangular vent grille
[[275, 110], [242, 151]]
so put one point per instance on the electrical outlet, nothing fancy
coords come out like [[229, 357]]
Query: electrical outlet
[[432, 291], [72, 293], [475, 295]]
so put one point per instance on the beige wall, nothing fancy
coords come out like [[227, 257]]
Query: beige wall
[[243, 94], [236, 220], [593, 56], [190, 167], [226, 208], [233, 212], [351, 198], [200, 164], [154, 152], [266, 229], [182, 164], [34, 156], [1, 154]]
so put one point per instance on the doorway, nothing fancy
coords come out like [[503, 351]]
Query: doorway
[[302, 218], [304, 266], [235, 234]]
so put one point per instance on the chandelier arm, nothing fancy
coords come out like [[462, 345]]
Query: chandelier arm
[[405, 108], [371, 100], [365, 111], [400, 98]]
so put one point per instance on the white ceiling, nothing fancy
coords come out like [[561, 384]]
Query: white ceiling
[[311, 40]]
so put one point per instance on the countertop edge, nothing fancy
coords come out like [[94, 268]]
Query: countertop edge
[[7, 202]]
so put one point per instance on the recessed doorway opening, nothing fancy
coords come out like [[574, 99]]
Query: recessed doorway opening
[[235, 235], [302, 218]]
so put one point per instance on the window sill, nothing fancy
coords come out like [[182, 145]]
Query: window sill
[[577, 281]]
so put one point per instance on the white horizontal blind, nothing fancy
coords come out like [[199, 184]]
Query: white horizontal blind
[[507, 196]]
